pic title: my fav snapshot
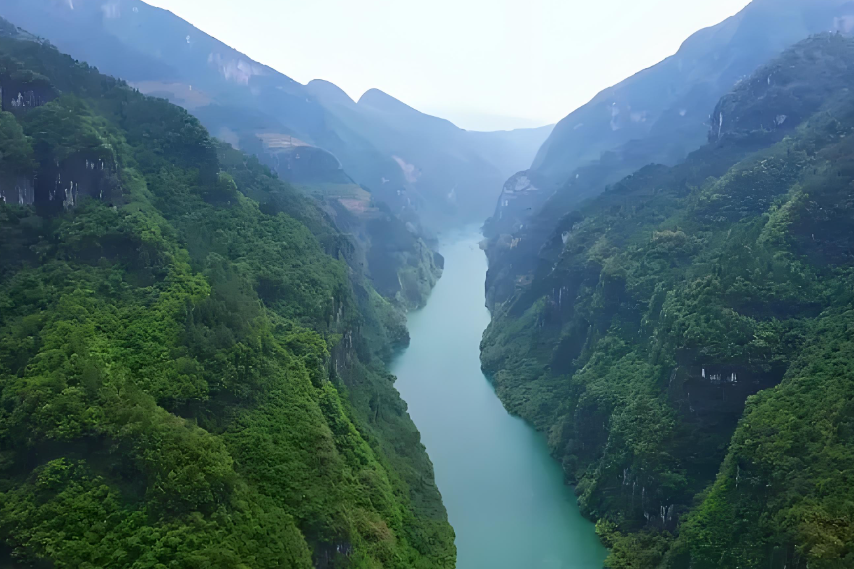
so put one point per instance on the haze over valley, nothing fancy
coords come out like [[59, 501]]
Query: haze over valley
[[250, 320]]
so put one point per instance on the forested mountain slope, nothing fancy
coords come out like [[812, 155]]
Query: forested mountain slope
[[453, 167], [658, 116], [685, 340], [427, 181], [191, 373], [254, 108]]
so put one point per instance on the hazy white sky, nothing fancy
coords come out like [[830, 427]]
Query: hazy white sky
[[484, 64]]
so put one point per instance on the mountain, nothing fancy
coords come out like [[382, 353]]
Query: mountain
[[192, 365], [243, 102], [449, 167], [252, 107], [684, 339], [673, 97], [440, 174], [657, 116]]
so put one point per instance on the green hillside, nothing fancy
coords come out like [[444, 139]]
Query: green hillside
[[685, 340], [191, 373], [659, 115]]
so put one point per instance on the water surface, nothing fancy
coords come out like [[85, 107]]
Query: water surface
[[505, 495]]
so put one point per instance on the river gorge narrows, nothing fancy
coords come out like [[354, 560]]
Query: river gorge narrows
[[504, 494]]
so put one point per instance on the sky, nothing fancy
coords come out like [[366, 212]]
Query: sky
[[483, 64]]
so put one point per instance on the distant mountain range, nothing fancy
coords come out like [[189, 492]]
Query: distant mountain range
[[453, 168], [423, 167], [657, 116], [662, 113]]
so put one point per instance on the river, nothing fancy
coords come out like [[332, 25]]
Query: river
[[504, 493]]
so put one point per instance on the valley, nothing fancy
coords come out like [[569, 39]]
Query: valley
[[505, 496], [251, 322]]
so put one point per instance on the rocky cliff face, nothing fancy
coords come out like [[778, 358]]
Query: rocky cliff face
[[208, 364], [657, 116], [28, 176], [429, 172], [35, 170], [17, 191], [22, 90], [75, 179], [658, 315]]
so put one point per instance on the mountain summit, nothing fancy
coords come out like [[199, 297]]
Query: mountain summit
[[661, 114], [297, 130]]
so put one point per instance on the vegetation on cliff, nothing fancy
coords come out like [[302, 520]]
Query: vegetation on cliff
[[191, 374], [685, 339], [659, 115]]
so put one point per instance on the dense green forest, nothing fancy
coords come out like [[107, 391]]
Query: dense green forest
[[191, 366], [686, 340]]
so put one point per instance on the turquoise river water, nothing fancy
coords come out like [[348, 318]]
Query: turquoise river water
[[505, 495]]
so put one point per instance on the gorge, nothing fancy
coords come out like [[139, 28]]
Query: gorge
[[251, 323], [505, 495]]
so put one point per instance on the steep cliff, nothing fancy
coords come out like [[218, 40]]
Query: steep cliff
[[244, 103], [191, 364], [657, 116], [681, 334], [430, 173]]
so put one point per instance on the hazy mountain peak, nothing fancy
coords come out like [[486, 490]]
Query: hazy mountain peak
[[707, 64], [329, 93], [263, 111], [384, 102]]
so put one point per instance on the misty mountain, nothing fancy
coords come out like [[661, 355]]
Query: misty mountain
[[421, 167], [660, 114], [450, 168], [657, 116]]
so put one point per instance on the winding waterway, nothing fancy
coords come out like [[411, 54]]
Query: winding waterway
[[505, 495]]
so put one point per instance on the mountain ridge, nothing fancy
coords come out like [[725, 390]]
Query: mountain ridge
[[254, 106], [203, 382], [673, 338], [616, 137]]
